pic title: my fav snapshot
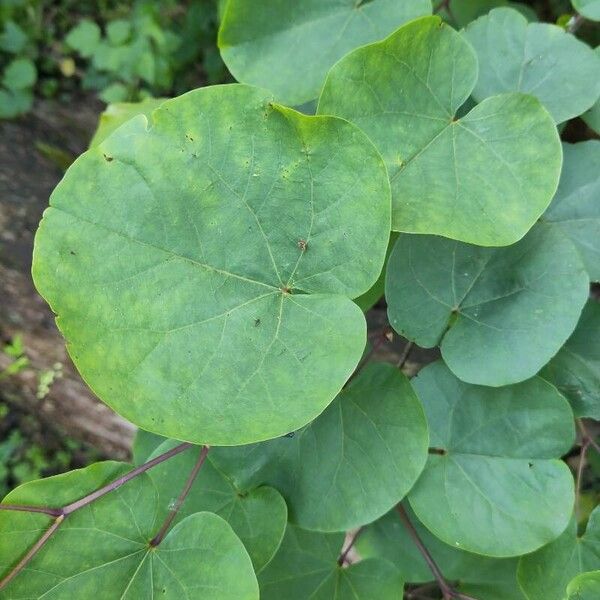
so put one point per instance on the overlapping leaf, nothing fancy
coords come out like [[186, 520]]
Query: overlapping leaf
[[535, 58], [576, 205], [352, 464], [472, 574], [306, 566], [592, 116], [289, 47], [258, 516], [499, 314], [103, 551], [584, 587], [575, 370], [547, 572], [590, 9], [483, 178], [202, 269], [495, 485]]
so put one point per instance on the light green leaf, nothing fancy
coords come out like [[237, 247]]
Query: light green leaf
[[592, 116], [465, 11], [14, 103], [13, 39], [575, 370], [498, 314], [289, 47], [536, 58], [144, 444], [576, 206], [306, 567], [102, 550], [352, 464], [547, 572], [19, 74], [84, 37], [118, 31], [483, 178], [202, 270], [475, 575], [257, 515], [496, 487], [590, 9], [584, 587], [116, 114], [114, 93]]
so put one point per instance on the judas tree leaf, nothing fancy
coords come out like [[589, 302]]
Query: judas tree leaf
[[482, 178], [590, 9], [465, 11], [202, 269], [575, 370], [499, 314], [352, 464], [102, 550], [592, 116], [535, 58], [116, 114], [496, 469], [258, 516], [584, 587], [478, 576], [576, 205], [289, 47], [547, 572], [306, 567], [144, 445]]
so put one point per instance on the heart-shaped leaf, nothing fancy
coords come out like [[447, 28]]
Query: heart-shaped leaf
[[495, 467], [477, 576], [575, 370], [590, 9], [482, 178], [576, 206], [102, 550], [547, 572], [195, 267], [306, 566], [535, 58], [258, 516], [499, 314], [352, 464], [289, 47]]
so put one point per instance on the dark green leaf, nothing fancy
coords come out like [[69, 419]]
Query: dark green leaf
[[288, 47], [535, 58], [499, 314], [483, 178], [496, 487], [202, 270]]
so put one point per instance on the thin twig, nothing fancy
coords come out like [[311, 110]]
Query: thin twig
[[585, 435], [52, 512], [405, 354], [158, 538], [444, 586], [113, 485], [344, 555], [31, 552]]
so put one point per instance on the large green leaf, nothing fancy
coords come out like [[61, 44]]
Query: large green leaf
[[576, 206], [472, 574], [288, 47], [584, 587], [258, 515], [202, 269], [306, 567], [592, 116], [495, 486], [499, 314], [547, 572], [575, 370], [482, 178], [103, 551], [590, 9], [535, 58], [116, 114], [352, 464]]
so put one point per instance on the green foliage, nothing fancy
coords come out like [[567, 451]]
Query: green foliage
[[211, 259], [405, 93], [588, 8]]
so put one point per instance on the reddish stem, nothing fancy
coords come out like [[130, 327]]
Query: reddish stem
[[158, 538], [52, 512]]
